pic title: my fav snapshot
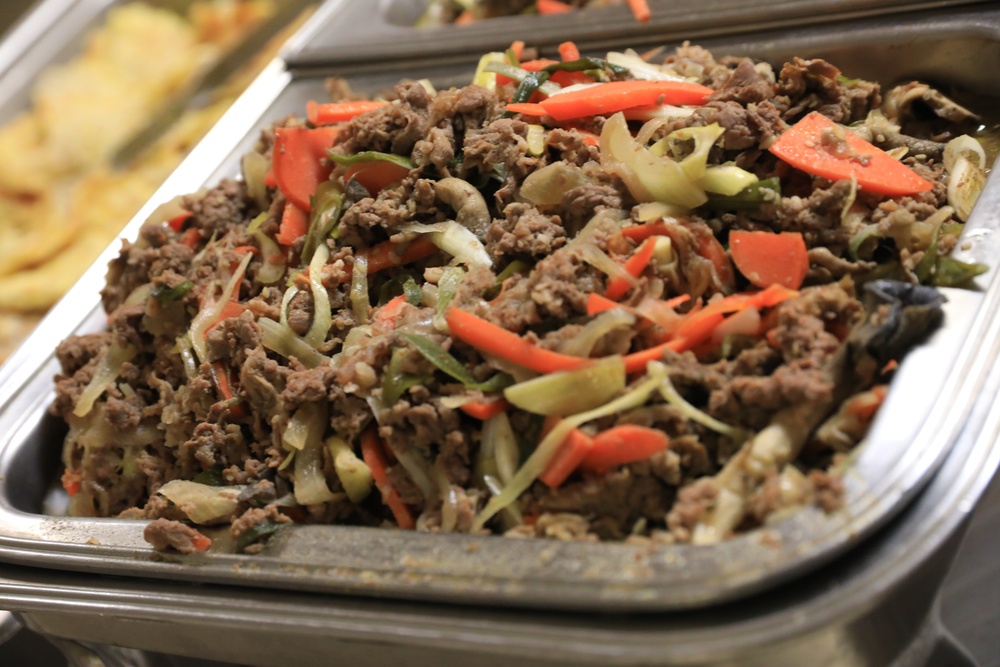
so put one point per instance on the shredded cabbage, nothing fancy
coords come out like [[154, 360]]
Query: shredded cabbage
[[209, 315], [255, 167], [201, 503], [500, 442], [310, 483], [354, 474], [671, 396]]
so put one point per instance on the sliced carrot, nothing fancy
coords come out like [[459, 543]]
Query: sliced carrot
[[623, 444], [483, 410], [387, 254], [71, 481], [818, 146], [607, 98], [709, 247], [220, 375], [269, 179], [230, 310], [568, 52], [200, 543], [373, 453], [294, 225], [517, 48], [376, 175], [642, 232], [640, 10], [634, 266], [387, 314], [465, 18], [488, 337], [567, 459], [191, 237], [339, 112], [299, 163], [527, 108], [863, 406], [546, 7], [766, 258], [177, 222]]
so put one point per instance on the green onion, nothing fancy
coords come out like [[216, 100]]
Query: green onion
[[396, 381], [952, 272], [327, 205], [450, 366], [569, 392], [256, 533], [370, 156], [168, 295], [767, 191]]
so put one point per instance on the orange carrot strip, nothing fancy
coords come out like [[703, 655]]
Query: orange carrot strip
[[71, 481], [568, 52], [766, 258], [552, 7], [376, 175], [517, 48], [813, 145], [607, 98], [488, 337], [567, 459], [640, 10], [200, 543], [191, 237], [338, 112], [269, 179], [465, 18], [294, 224], [623, 444], [177, 222], [483, 410], [527, 108], [387, 314], [634, 266], [299, 163], [373, 453], [387, 254]]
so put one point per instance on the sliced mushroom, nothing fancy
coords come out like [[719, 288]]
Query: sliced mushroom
[[470, 207], [899, 104]]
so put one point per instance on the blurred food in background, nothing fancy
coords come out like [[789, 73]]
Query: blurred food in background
[[61, 199], [440, 12]]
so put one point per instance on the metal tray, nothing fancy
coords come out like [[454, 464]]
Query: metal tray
[[383, 31], [937, 391]]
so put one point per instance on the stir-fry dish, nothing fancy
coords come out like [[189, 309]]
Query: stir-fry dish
[[585, 298], [460, 12]]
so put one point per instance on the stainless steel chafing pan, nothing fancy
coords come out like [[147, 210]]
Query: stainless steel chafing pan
[[933, 405], [363, 32]]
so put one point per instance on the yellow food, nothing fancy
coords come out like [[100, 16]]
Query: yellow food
[[61, 202]]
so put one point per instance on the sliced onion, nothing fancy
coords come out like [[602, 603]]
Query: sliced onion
[[600, 260], [272, 260], [359, 289], [500, 443], [255, 168], [546, 186], [470, 207], [582, 344], [108, 368], [456, 240], [964, 159], [284, 341], [322, 315], [671, 396], [726, 179], [354, 474], [641, 69], [310, 482], [695, 163], [416, 467], [536, 139]]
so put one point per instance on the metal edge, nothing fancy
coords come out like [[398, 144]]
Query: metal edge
[[359, 37]]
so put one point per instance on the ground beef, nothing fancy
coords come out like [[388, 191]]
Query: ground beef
[[164, 534]]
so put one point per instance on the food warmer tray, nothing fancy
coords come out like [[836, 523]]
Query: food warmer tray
[[943, 384]]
